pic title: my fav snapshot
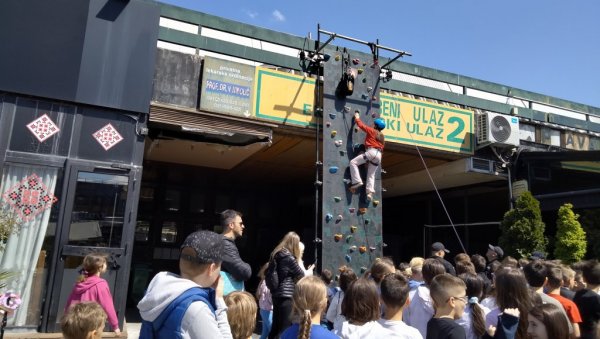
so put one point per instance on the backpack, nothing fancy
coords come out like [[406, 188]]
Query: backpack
[[168, 323], [271, 276]]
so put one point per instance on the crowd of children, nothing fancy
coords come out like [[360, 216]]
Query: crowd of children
[[530, 298]]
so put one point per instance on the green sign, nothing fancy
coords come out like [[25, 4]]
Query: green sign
[[227, 87]]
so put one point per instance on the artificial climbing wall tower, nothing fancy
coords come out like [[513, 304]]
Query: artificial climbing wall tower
[[352, 226]]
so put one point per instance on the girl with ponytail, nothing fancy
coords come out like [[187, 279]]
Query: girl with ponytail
[[473, 319], [309, 302], [90, 287]]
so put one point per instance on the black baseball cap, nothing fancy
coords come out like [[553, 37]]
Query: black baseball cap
[[497, 249], [539, 255], [208, 246], [438, 246]]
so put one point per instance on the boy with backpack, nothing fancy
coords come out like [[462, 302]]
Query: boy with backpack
[[190, 305]]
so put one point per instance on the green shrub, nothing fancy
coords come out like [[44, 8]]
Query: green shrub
[[522, 229], [9, 225], [570, 246]]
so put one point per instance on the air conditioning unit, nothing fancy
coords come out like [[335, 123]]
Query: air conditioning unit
[[497, 129]]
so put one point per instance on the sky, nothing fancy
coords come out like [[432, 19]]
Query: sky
[[551, 47]]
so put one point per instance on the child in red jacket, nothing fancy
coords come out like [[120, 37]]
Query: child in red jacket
[[374, 142], [91, 287]]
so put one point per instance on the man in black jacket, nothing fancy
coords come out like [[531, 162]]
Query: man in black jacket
[[438, 251], [233, 269]]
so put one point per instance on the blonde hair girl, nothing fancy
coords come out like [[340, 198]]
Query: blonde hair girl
[[287, 258], [290, 242], [241, 313], [309, 302]]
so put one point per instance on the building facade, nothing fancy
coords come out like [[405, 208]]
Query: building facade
[[124, 140]]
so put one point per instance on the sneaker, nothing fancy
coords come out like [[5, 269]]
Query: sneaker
[[370, 197], [354, 187]]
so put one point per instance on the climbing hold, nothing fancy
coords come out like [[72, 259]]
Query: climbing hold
[[353, 229], [360, 71], [352, 249], [351, 209], [337, 277], [364, 80], [362, 210], [328, 124], [369, 89], [333, 169], [374, 98], [337, 237], [365, 96], [348, 258], [337, 57], [366, 221], [339, 218], [363, 269], [333, 134], [337, 199], [372, 249], [364, 63], [349, 238], [347, 108], [338, 143], [356, 61], [375, 203], [328, 217], [355, 129], [373, 115], [342, 153], [362, 249], [332, 115]]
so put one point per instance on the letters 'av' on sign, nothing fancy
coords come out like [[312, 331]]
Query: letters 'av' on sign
[[227, 87], [415, 122], [285, 98]]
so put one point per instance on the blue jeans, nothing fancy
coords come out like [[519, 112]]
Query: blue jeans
[[267, 321]]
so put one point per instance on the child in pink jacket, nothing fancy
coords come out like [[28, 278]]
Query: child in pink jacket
[[90, 287]]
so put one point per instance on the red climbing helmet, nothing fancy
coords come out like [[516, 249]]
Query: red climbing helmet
[[379, 123]]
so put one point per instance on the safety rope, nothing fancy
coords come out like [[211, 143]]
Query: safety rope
[[435, 187]]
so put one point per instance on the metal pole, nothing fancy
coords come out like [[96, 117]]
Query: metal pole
[[392, 60], [317, 167], [510, 193], [364, 42], [325, 44]]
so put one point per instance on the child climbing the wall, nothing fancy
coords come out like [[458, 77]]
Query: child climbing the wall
[[374, 142]]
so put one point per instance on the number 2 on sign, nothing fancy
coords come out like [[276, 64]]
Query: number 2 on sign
[[461, 127]]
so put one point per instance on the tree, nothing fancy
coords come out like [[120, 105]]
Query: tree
[[571, 243], [522, 229], [9, 225]]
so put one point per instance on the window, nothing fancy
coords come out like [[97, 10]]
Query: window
[[168, 233]]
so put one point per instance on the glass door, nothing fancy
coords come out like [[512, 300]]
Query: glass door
[[97, 219]]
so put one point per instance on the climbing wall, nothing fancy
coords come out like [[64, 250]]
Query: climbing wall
[[352, 233]]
